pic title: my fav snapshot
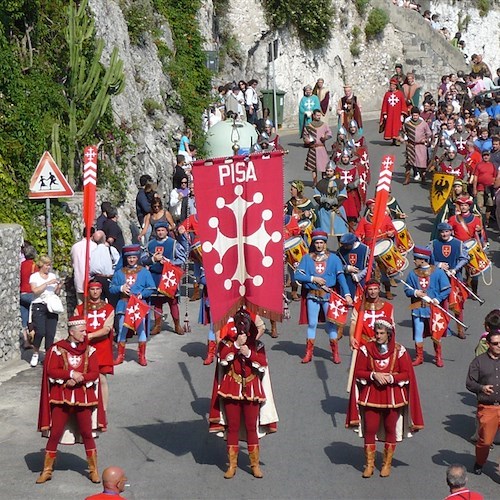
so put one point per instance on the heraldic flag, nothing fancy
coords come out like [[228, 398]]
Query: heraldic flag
[[438, 322], [170, 279], [240, 210], [337, 309], [135, 312]]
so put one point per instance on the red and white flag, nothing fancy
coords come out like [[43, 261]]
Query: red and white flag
[[135, 312], [458, 295], [337, 309], [170, 279], [240, 210], [438, 322]]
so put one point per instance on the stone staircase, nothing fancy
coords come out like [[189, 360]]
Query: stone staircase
[[424, 50]]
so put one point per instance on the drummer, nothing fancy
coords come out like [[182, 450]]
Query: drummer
[[449, 254], [191, 226], [291, 230], [354, 256], [300, 207], [466, 226], [364, 232]]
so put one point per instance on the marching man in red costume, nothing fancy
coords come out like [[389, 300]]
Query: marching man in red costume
[[242, 391], [385, 390], [375, 308], [70, 383], [100, 318]]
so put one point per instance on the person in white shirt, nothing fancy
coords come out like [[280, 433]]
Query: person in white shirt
[[252, 101], [78, 253]]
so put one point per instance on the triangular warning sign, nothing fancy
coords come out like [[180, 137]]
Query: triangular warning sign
[[48, 181]]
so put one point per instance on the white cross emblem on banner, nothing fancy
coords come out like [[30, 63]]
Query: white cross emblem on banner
[[393, 100], [94, 316]]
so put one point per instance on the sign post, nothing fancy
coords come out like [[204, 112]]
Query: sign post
[[48, 182]]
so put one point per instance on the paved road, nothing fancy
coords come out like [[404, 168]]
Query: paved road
[[158, 429]]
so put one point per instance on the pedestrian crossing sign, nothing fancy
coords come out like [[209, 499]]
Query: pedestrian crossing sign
[[48, 181]]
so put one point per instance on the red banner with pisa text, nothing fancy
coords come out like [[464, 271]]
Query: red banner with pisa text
[[239, 202]]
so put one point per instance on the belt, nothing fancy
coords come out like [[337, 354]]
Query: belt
[[103, 276], [317, 293], [496, 403], [239, 379]]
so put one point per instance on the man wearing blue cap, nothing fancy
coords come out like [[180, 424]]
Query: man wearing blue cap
[[319, 271], [450, 255], [354, 256], [161, 249], [426, 284], [131, 279]]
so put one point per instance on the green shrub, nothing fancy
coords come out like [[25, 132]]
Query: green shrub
[[139, 18], [483, 6], [376, 23], [355, 46], [362, 6], [313, 19]]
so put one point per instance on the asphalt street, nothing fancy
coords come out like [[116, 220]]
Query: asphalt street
[[158, 428]]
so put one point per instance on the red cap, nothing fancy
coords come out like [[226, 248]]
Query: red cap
[[76, 321], [466, 200], [370, 201], [394, 81]]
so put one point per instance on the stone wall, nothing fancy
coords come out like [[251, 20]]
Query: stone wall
[[11, 238]]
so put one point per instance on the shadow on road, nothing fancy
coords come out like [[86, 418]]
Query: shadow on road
[[461, 425], [195, 349], [468, 399], [294, 349], [64, 461]]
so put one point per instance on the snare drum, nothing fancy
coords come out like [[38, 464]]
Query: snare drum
[[389, 258], [478, 262], [306, 228], [195, 252], [295, 249], [404, 241]]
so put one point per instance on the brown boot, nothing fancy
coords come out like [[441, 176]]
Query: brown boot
[[460, 332], [389, 448], [120, 358], [253, 452], [232, 455], [211, 350], [334, 345], [295, 295], [178, 328], [92, 461], [370, 460], [419, 354], [407, 178], [439, 354], [141, 354], [196, 293], [388, 293], [48, 467], [157, 326], [309, 351], [274, 329]]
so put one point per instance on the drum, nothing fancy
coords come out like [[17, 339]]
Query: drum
[[389, 258], [195, 252], [404, 241], [295, 249], [306, 228], [478, 262]]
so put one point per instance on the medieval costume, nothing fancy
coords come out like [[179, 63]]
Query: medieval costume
[[323, 95], [392, 114], [418, 135], [347, 172], [316, 134], [307, 105]]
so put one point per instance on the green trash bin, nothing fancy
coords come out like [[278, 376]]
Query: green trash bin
[[268, 102]]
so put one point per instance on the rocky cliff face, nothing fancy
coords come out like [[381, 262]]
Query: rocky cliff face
[[150, 130]]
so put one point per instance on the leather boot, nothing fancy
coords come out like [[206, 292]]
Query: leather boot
[[334, 345], [48, 467], [419, 354], [92, 462], [439, 354], [295, 295], [388, 293], [232, 455], [211, 350], [407, 178], [370, 450], [196, 293], [460, 332], [389, 448], [120, 358], [157, 326], [309, 351], [274, 329], [141, 354], [177, 327], [253, 452]]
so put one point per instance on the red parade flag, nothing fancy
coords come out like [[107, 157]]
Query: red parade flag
[[438, 322], [240, 209], [337, 309], [458, 295], [170, 279], [135, 312], [89, 195]]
